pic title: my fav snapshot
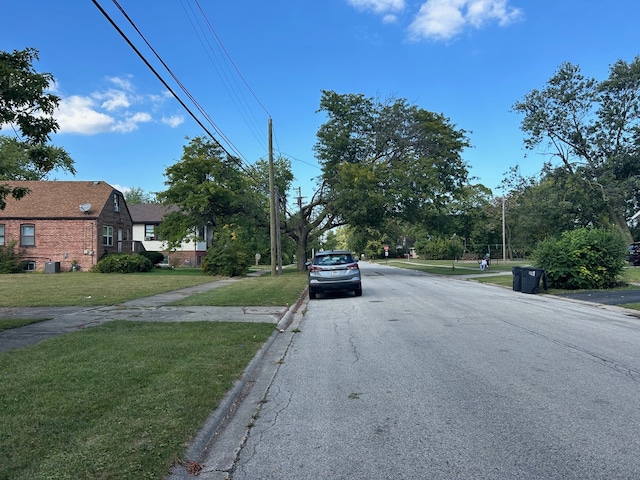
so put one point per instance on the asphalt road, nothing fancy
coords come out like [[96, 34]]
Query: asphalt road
[[428, 377]]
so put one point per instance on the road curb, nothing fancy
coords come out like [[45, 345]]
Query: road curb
[[197, 462]]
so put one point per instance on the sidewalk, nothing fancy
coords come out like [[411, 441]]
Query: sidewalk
[[147, 309]]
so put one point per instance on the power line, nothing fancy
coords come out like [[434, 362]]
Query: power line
[[217, 58], [123, 35], [177, 80]]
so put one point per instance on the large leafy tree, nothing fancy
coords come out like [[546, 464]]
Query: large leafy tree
[[388, 159], [546, 206], [381, 161], [28, 108], [16, 162], [592, 131], [310, 221], [211, 188]]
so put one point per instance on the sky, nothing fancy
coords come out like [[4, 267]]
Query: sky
[[234, 64]]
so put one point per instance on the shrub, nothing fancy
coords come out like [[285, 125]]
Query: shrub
[[154, 257], [585, 258], [439, 248], [123, 263], [227, 256], [10, 258]]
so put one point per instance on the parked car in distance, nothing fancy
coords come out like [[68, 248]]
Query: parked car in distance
[[633, 254], [333, 271]]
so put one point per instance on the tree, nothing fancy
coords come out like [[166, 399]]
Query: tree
[[310, 222], [388, 159], [16, 163], [211, 189], [593, 129], [137, 195], [25, 104]]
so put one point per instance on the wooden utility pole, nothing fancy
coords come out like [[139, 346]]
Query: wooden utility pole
[[504, 235], [272, 204]]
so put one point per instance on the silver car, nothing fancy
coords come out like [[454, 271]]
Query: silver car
[[334, 270]]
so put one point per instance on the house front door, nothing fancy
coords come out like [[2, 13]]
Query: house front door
[[119, 240]]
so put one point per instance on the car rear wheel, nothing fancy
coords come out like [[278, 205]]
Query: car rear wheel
[[312, 295], [358, 292]]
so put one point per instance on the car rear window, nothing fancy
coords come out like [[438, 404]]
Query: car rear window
[[333, 259]]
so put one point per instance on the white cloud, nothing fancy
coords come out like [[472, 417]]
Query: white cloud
[[378, 6], [111, 110], [122, 83], [173, 121], [444, 19], [113, 99], [78, 114], [130, 122]]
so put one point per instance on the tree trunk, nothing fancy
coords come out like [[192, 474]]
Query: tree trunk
[[301, 254], [620, 222]]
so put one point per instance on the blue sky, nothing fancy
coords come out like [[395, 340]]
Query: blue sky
[[244, 61]]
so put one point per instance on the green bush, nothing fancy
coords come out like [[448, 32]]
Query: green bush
[[586, 258], [154, 257], [10, 258], [123, 263], [439, 248], [227, 256]]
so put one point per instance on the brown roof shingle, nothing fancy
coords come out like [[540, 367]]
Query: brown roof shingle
[[150, 212], [58, 199]]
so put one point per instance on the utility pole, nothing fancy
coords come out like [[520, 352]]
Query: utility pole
[[272, 204], [504, 236]]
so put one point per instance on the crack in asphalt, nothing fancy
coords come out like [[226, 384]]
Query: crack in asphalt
[[631, 372]]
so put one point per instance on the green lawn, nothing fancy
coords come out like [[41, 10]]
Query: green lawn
[[122, 400], [9, 323], [447, 267], [118, 401], [267, 290], [89, 289]]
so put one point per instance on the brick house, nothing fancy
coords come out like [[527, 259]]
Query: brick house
[[61, 224], [146, 219]]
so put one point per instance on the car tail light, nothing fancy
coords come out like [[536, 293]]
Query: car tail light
[[353, 266], [315, 268]]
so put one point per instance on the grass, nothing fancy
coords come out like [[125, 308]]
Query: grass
[[443, 267], [447, 267], [9, 323], [90, 289], [121, 400], [281, 290]]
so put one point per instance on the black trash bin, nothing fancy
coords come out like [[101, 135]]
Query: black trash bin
[[517, 279], [530, 279]]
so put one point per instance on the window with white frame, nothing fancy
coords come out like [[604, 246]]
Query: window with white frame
[[149, 232], [27, 235], [116, 202], [29, 266], [107, 236]]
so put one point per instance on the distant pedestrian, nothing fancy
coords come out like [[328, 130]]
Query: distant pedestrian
[[483, 264]]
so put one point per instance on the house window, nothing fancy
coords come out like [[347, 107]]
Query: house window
[[1, 234], [149, 232], [107, 236], [27, 235], [116, 203], [29, 266]]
